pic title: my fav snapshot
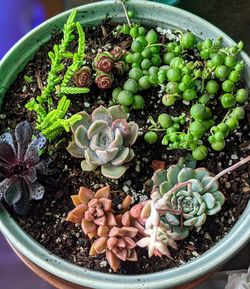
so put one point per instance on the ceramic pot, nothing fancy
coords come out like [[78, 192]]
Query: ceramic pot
[[153, 14]]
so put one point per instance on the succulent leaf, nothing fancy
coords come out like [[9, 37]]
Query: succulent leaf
[[165, 187], [117, 112], [113, 172], [84, 121], [185, 174], [81, 137], [101, 113], [172, 174], [23, 133], [87, 166], [75, 150]]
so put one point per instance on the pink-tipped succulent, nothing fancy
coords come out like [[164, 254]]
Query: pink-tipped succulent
[[118, 53], [83, 77], [104, 80], [93, 210], [104, 61], [19, 165], [119, 245], [104, 139]]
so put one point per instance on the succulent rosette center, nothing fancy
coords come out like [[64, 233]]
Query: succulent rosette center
[[104, 139]]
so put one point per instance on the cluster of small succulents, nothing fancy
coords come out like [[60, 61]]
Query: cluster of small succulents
[[19, 167], [108, 63], [114, 234], [104, 139], [182, 195]]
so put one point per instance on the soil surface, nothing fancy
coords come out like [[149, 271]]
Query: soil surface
[[46, 219]]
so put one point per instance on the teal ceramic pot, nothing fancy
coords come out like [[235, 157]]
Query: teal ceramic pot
[[15, 60]]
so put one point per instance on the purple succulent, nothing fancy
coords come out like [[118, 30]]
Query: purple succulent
[[19, 165]]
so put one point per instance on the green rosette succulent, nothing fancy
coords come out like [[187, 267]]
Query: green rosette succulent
[[104, 139], [186, 195]]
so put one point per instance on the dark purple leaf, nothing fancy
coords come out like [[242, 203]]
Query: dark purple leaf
[[5, 170], [6, 153], [14, 191], [4, 185], [39, 142], [36, 191], [31, 156], [7, 137], [41, 167], [23, 133], [22, 206], [31, 175]]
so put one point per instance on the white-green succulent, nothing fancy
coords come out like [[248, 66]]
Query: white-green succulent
[[186, 196], [104, 139]]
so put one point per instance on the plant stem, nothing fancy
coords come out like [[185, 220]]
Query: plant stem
[[126, 12], [232, 168], [180, 185]]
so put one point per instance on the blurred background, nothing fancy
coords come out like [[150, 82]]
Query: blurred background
[[17, 17]]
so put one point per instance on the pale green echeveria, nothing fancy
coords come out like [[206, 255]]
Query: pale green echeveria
[[104, 140], [189, 205]]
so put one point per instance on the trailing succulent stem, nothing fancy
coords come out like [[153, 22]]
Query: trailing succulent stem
[[52, 121]]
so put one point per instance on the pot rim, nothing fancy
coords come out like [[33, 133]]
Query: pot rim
[[209, 261]]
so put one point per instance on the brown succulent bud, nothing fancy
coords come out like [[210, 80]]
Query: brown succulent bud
[[118, 52], [104, 80], [83, 77], [104, 61], [119, 67]]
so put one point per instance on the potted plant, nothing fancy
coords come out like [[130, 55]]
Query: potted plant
[[113, 111]]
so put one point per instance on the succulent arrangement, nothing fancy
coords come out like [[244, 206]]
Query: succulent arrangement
[[104, 139], [98, 106]]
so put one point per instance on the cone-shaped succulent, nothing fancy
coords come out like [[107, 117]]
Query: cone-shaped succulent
[[119, 245], [83, 77], [104, 139], [104, 61], [118, 52], [92, 210], [183, 189], [104, 80], [19, 165]]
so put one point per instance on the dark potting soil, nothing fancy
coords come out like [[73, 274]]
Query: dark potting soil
[[46, 219]]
